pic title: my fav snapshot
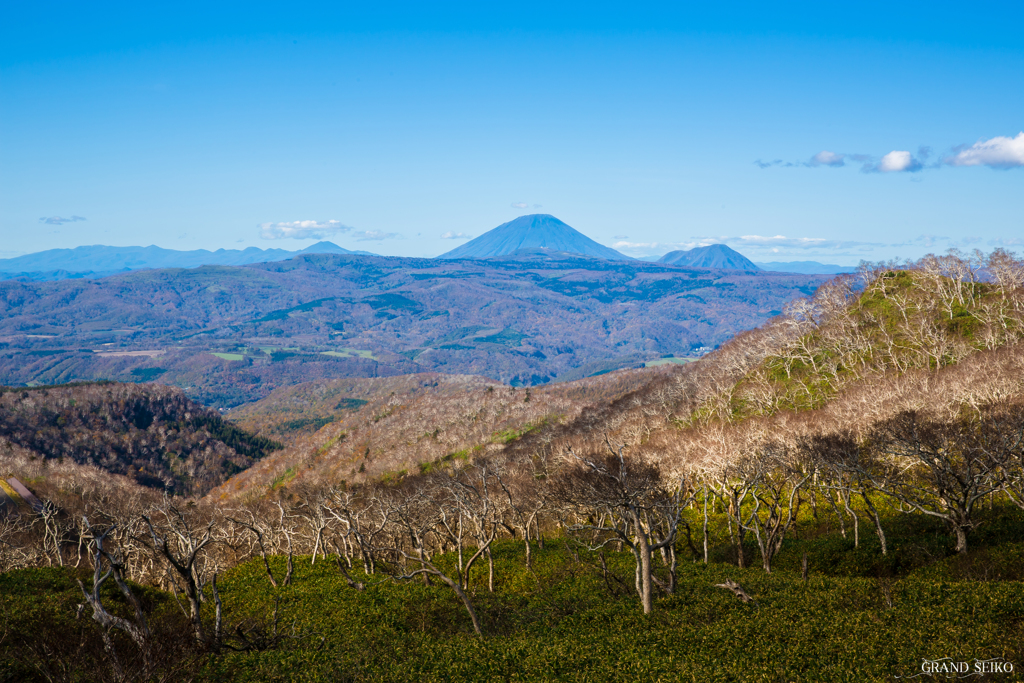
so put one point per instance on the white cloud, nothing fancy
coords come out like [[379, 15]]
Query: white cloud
[[999, 152], [1007, 242], [301, 230], [455, 236], [897, 161], [374, 235], [520, 205], [826, 158], [57, 220]]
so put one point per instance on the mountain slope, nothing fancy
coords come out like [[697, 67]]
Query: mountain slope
[[97, 260], [536, 231], [926, 337], [151, 434], [360, 430], [711, 256]]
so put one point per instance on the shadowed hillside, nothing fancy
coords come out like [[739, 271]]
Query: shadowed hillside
[[151, 434]]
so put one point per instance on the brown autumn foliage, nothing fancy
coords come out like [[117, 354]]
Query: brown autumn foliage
[[152, 434], [359, 430]]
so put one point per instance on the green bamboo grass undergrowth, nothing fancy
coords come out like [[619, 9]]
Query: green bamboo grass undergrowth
[[567, 620]]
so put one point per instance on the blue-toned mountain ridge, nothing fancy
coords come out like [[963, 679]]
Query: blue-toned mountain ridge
[[98, 260], [711, 256]]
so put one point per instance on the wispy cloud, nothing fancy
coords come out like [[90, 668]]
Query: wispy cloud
[[58, 220], [929, 241], [375, 236], [520, 205], [827, 158], [456, 236], [1007, 242], [301, 230], [998, 152]]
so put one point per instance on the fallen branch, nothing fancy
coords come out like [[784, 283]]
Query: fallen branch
[[731, 585]]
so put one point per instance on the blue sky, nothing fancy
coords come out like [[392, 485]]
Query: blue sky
[[790, 132]]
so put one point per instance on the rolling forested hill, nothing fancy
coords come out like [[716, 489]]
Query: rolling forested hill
[[230, 335], [363, 430], [150, 434]]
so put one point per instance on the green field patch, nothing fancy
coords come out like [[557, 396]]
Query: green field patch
[[456, 347], [349, 353], [392, 301], [283, 313], [507, 337], [228, 356], [461, 333], [667, 361]]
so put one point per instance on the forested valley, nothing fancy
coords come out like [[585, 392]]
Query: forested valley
[[835, 495]]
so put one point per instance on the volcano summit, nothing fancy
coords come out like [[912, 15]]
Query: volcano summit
[[536, 231]]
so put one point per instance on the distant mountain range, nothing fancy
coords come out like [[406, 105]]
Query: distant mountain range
[[534, 232], [711, 256], [724, 258], [806, 267], [536, 237], [99, 260]]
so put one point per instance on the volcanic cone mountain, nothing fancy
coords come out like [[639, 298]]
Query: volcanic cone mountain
[[711, 256], [536, 231]]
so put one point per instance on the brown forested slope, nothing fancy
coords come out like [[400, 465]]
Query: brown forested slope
[[892, 330], [359, 430], [151, 434]]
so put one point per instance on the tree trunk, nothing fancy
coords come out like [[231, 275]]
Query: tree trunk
[[961, 539], [705, 526], [490, 571], [465, 601], [878, 521], [644, 550], [526, 540]]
